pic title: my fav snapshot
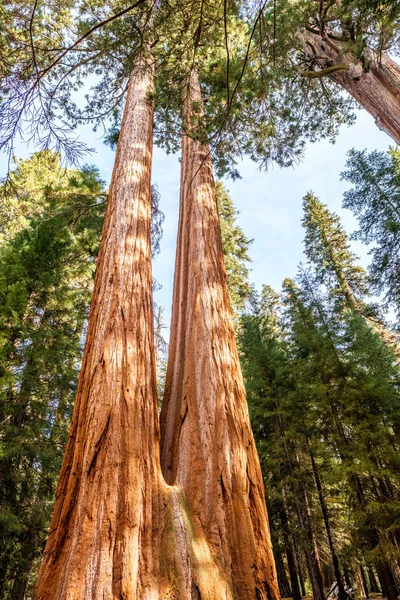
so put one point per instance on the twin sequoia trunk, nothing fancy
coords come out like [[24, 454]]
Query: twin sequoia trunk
[[207, 445], [101, 535], [118, 530], [377, 88]]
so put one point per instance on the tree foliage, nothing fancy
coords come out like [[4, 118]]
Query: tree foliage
[[375, 201], [323, 389], [47, 266]]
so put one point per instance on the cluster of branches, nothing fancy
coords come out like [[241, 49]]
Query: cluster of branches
[[249, 58]]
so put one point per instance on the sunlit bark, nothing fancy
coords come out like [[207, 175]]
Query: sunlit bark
[[375, 84], [102, 532], [207, 444]]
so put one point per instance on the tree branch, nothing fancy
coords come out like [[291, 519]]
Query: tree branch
[[324, 72]]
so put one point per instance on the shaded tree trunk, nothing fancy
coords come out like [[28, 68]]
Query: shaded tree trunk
[[309, 543], [382, 564], [347, 578], [291, 560], [364, 581], [205, 427], [300, 571], [312, 555], [21, 575], [373, 82], [283, 581], [388, 584], [324, 510], [374, 587]]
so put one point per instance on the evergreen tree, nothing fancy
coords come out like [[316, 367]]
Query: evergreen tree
[[47, 266], [235, 246], [375, 201], [349, 43], [324, 401], [327, 247]]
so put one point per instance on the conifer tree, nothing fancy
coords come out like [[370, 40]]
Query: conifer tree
[[47, 261], [133, 502], [350, 42], [327, 247], [375, 201], [235, 246], [205, 427]]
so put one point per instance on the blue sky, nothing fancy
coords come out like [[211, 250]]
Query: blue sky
[[270, 203]]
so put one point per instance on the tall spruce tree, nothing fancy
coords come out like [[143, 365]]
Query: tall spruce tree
[[327, 247], [235, 246], [375, 201]]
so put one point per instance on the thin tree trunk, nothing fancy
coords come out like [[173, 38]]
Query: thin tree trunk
[[373, 584], [303, 516], [362, 583], [283, 581], [312, 554], [347, 578], [389, 587], [289, 554], [207, 444], [376, 86], [294, 582], [103, 535], [21, 576], [300, 571], [324, 509]]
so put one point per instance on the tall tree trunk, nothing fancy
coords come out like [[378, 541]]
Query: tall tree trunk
[[309, 543], [388, 584], [375, 83], [324, 510], [311, 551], [103, 535], [300, 571], [207, 444], [294, 582], [283, 581], [373, 584], [364, 580]]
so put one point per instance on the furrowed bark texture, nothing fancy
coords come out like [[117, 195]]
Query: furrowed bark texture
[[101, 542], [207, 444], [376, 88]]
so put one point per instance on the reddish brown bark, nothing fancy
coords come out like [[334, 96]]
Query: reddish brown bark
[[102, 532], [207, 444], [375, 86]]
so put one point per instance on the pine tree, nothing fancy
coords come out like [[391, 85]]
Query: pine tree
[[47, 263], [375, 200], [327, 247]]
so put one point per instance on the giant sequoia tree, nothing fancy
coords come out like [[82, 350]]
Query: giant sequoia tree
[[350, 42], [318, 46], [206, 433], [118, 529]]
